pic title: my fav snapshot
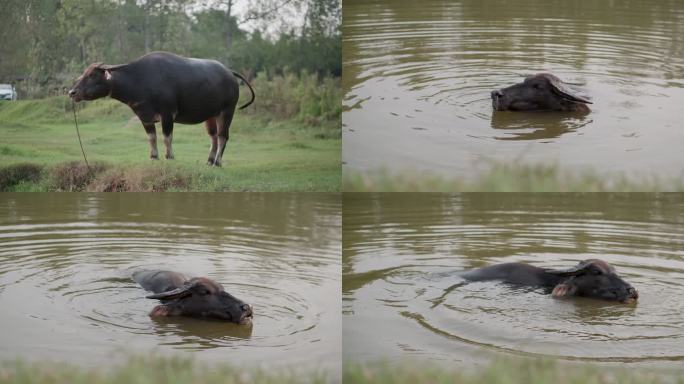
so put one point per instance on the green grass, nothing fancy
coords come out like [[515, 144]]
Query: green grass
[[150, 370], [514, 177], [505, 372], [263, 153]]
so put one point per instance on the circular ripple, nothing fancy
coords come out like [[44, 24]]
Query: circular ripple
[[418, 75], [528, 321], [68, 287], [403, 257]]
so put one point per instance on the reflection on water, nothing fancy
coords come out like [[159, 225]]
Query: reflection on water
[[418, 77], [537, 125], [402, 255], [66, 262], [193, 334]]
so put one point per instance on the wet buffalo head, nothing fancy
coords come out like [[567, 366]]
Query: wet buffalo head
[[540, 92], [202, 297], [593, 278], [94, 83]]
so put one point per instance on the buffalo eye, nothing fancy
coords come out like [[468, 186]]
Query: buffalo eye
[[596, 272]]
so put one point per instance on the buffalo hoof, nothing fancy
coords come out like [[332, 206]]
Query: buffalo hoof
[[154, 157], [169, 157]]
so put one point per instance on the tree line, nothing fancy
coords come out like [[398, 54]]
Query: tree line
[[47, 43]]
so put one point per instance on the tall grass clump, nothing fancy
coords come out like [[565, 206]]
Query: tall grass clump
[[305, 97], [14, 174], [74, 176]]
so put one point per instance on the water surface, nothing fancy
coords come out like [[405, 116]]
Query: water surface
[[417, 78], [66, 261], [403, 297]]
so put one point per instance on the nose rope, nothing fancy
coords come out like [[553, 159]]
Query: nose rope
[[78, 133]]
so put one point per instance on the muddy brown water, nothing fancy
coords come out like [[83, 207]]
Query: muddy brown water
[[66, 260], [417, 77], [402, 295]]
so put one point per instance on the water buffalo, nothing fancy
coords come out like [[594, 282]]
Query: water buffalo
[[161, 86], [196, 297], [540, 92], [590, 278]]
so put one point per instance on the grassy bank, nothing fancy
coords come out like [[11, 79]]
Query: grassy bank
[[293, 151], [505, 372], [507, 178], [150, 370]]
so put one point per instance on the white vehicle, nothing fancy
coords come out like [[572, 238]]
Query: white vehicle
[[7, 92]]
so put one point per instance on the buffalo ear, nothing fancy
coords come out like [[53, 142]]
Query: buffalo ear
[[564, 289], [177, 293], [565, 92]]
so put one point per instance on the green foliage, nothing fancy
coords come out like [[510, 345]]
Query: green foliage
[[303, 97], [289, 53], [53, 41]]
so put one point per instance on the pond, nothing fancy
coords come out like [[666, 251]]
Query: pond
[[66, 262], [418, 76], [403, 296]]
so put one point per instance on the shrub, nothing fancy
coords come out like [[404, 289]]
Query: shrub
[[17, 173]]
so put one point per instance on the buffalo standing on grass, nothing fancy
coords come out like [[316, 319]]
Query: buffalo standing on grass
[[161, 86]]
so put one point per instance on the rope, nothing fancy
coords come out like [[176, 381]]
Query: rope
[[73, 105]]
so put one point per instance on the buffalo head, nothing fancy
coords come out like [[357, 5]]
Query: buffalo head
[[540, 92], [593, 278], [202, 297], [94, 83]]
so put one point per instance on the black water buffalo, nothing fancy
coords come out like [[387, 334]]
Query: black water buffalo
[[196, 297], [161, 86], [540, 92], [590, 278]]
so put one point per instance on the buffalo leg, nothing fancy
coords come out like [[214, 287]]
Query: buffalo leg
[[211, 130], [167, 130], [152, 138], [224, 120]]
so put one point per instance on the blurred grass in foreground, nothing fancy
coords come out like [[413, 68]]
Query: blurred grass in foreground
[[151, 370], [155, 369], [514, 177], [540, 371]]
